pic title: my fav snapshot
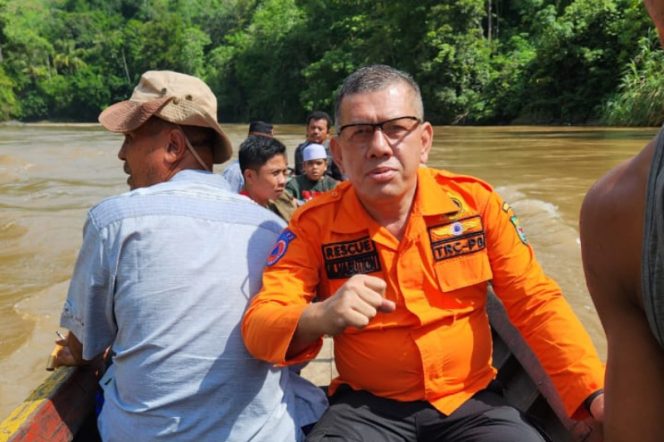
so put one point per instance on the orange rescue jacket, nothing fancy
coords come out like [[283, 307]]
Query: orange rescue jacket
[[436, 346]]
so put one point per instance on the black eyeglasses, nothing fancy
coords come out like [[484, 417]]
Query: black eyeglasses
[[394, 129]]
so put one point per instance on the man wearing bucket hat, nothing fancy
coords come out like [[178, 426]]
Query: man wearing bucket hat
[[314, 180], [163, 277]]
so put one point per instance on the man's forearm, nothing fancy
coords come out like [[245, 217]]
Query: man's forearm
[[309, 329]]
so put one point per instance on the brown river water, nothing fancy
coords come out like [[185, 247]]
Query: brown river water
[[51, 174]]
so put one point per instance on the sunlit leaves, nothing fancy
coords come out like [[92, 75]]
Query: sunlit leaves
[[477, 61]]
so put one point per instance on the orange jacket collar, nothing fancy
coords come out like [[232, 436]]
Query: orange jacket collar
[[352, 217]]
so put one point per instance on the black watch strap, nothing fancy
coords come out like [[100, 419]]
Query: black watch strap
[[589, 400]]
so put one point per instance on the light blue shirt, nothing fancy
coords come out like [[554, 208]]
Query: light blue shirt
[[233, 174], [163, 276]]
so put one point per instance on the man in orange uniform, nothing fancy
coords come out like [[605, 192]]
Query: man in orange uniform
[[400, 258]]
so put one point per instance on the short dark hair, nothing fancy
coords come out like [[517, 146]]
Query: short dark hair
[[375, 78], [320, 115], [256, 150], [260, 126]]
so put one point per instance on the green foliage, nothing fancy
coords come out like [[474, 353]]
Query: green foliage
[[73, 95], [346, 34], [579, 56], [503, 95], [8, 103], [455, 68], [554, 61], [266, 60], [640, 97]]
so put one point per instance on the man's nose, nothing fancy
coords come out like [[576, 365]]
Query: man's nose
[[122, 152], [378, 144]]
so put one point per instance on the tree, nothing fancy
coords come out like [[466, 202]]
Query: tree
[[579, 57]]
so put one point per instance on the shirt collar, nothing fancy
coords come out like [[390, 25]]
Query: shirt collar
[[200, 177], [430, 199], [351, 216]]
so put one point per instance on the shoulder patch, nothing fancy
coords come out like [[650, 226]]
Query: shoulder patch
[[519, 230], [280, 247]]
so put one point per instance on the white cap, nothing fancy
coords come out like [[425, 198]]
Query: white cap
[[314, 152]]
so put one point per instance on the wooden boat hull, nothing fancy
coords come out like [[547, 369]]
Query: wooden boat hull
[[57, 410], [527, 386], [62, 409]]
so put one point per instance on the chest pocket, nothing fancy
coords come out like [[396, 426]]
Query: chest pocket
[[459, 253], [463, 271]]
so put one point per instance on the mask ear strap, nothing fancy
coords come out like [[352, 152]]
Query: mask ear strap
[[194, 153]]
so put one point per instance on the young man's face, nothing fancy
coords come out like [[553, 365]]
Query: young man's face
[[268, 182], [314, 169], [317, 131]]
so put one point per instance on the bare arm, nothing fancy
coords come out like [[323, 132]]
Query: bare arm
[[611, 233]]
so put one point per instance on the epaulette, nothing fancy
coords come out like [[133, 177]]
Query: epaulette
[[323, 199], [443, 176]]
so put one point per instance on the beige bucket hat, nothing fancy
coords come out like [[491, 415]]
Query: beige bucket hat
[[171, 96]]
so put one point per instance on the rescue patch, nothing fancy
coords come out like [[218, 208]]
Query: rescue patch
[[345, 259], [506, 207], [280, 247], [457, 238], [519, 230]]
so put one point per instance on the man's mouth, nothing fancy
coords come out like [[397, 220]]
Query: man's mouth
[[381, 173]]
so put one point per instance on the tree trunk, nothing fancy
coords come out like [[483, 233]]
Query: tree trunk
[[488, 20]]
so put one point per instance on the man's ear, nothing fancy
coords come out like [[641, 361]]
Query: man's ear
[[337, 155], [426, 140], [249, 175], [177, 146]]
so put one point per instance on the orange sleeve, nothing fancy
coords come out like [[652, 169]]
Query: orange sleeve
[[290, 281], [536, 306]]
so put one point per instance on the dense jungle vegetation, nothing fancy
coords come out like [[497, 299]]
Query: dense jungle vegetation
[[477, 61]]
